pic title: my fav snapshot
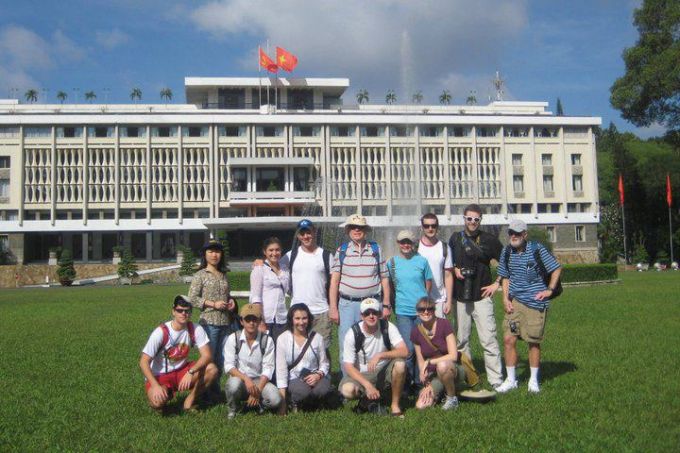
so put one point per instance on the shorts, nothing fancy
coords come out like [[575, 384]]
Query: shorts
[[381, 379], [459, 382], [530, 323], [171, 379], [322, 326]]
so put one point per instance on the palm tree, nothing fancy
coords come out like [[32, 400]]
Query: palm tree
[[417, 97], [31, 95], [391, 97], [362, 96], [90, 96], [61, 95], [445, 97], [136, 95], [471, 99], [166, 93]]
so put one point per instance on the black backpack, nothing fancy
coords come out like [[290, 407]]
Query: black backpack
[[359, 336], [541, 267], [263, 343]]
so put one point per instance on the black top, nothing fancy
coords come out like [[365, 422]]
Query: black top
[[474, 252]]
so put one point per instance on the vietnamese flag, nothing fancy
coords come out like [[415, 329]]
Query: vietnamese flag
[[285, 60], [620, 189], [669, 195], [267, 62]]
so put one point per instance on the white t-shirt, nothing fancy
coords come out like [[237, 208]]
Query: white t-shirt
[[177, 347], [373, 344], [308, 279], [435, 257]]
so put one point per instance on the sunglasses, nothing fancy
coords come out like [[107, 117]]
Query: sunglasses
[[405, 242], [357, 227], [371, 313], [472, 219], [515, 233], [424, 309], [183, 310], [430, 226], [251, 319]]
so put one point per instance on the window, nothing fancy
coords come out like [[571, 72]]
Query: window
[[517, 159], [232, 131], [577, 183], [487, 131], [239, 179], [580, 233], [516, 132], [306, 131], [518, 183], [430, 131], [69, 132], [9, 132], [300, 179], [100, 132], [575, 159], [164, 131], [459, 131], [372, 131], [401, 131], [4, 161], [4, 188], [546, 159], [548, 184], [133, 132], [34, 132], [4, 242], [343, 131], [552, 234], [269, 131], [546, 132], [548, 208], [195, 131], [269, 179]]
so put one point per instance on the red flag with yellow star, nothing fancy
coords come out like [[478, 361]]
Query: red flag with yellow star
[[267, 62], [285, 60]]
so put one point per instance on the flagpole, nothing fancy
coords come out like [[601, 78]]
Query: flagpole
[[259, 77], [268, 78]]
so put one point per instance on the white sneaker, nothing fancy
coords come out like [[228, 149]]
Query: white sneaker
[[450, 402], [533, 387], [506, 386]]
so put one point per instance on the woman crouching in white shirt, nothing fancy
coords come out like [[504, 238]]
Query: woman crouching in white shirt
[[302, 365], [268, 286]]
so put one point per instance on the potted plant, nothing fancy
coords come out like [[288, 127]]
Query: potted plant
[[66, 271], [127, 268], [186, 270], [116, 254]]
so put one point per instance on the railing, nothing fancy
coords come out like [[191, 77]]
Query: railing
[[281, 106]]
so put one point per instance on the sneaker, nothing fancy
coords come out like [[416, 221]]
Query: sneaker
[[451, 402], [506, 386], [533, 387], [231, 415]]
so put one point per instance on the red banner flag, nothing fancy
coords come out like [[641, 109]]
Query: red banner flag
[[286, 60], [620, 189], [267, 62], [669, 195]]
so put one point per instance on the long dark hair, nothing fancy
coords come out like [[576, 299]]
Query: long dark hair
[[221, 265], [291, 312], [269, 241]]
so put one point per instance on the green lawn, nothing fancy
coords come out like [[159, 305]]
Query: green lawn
[[610, 380]]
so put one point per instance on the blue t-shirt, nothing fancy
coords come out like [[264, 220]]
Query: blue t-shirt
[[410, 277], [525, 279]]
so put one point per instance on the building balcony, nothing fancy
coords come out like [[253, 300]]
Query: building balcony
[[270, 161], [273, 197]]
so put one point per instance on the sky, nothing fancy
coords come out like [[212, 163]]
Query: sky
[[543, 49]]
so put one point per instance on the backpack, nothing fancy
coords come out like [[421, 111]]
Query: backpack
[[326, 256], [166, 339], [359, 337], [263, 343], [392, 271], [374, 247], [541, 267]]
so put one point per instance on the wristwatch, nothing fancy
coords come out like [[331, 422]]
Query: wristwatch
[[191, 372], [552, 290]]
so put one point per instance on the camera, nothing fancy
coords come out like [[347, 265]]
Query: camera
[[469, 274]]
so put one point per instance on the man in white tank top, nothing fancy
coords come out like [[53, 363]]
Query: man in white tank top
[[438, 255]]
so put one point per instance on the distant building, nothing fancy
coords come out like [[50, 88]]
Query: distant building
[[89, 177]]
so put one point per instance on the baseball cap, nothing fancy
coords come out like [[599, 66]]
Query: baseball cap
[[251, 310], [406, 234], [305, 224], [212, 244], [181, 301], [517, 225], [369, 304]]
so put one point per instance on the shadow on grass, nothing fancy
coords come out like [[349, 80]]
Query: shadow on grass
[[549, 370]]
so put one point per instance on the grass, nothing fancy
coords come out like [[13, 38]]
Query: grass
[[610, 380]]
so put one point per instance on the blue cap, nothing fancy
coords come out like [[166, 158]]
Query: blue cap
[[305, 224]]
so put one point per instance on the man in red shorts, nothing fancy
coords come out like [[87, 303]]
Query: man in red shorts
[[164, 361]]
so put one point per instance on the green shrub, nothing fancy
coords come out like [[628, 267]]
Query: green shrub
[[188, 262], [589, 272], [127, 268], [239, 280], [66, 271]]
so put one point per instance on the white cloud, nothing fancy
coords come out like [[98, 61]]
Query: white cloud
[[653, 130], [111, 39], [65, 48], [381, 44]]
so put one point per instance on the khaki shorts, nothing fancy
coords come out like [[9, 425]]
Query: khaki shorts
[[459, 382], [322, 326], [381, 379], [530, 323]]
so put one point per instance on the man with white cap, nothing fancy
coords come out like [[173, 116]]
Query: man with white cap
[[358, 272], [411, 279], [373, 359], [531, 277]]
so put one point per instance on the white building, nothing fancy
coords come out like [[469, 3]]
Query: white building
[[91, 176]]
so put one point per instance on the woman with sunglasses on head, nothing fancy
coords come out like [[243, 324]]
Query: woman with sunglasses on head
[[302, 365], [436, 353], [268, 286]]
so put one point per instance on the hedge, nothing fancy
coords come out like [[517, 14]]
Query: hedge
[[239, 280]]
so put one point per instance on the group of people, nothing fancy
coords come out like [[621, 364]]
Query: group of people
[[277, 358]]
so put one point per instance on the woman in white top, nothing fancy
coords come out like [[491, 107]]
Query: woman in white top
[[268, 287], [302, 365]]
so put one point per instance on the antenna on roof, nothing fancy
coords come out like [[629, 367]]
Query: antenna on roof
[[498, 84]]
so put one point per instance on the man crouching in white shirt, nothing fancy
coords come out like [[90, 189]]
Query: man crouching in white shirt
[[249, 362], [373, 358]]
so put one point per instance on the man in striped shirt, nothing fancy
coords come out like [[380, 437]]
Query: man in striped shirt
[[526, 299], [358, 272]]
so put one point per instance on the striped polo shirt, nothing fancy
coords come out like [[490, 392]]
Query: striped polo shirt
[[360, 274], [525, 279]]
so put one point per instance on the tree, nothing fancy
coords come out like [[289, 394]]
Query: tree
[[166, 94], [391, 97], [31, 95], [61, 95], [558, 107], [127, 268], [471, 99], [610, 233], [540, 235], [186, 268], [445, 97], [90, 96], [362, 96], [66, 271], [136, 95], [417, 97], [649, 90]]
